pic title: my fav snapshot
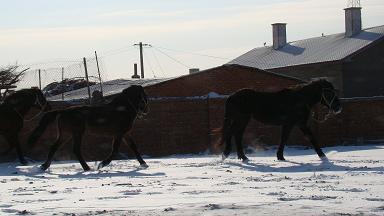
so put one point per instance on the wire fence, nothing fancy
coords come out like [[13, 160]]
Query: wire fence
[[56, 81]]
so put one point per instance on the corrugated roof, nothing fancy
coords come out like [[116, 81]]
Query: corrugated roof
[[313, 50], [109, 88]]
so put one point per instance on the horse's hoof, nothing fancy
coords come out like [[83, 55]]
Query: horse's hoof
[[43, 167], [245, 160], [322, 155], [86, 169], [144, 165], [24, 163], [324, 159], [280, 158], [101, 165]]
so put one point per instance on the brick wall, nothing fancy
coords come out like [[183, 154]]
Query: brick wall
[[180, 126], [224, 80]]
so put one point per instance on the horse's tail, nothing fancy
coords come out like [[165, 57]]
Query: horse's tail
[[43, 124], [224, 130]]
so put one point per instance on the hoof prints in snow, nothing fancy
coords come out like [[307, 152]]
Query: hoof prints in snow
[[306, 198], [202, 185]]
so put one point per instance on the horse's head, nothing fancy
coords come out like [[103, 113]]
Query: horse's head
[[329, 96], [137, 98], [40, 101]]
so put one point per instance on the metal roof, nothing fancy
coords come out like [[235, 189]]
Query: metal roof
[[109, 88], [313, 50]]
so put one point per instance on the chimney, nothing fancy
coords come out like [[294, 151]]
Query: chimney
[[135, 75], [279, 35], [193, 70], [352, 21]]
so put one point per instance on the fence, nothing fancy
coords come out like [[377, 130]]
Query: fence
[[56, 81]]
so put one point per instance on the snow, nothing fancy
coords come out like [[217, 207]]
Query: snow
[[351, 182]]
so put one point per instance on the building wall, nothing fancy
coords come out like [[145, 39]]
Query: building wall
[[364, 72], [359, 76], [181, 126], [331, 70], [224, 80]]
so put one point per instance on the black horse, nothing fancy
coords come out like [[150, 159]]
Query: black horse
[[114, 119], [288, 108], [12, 116]]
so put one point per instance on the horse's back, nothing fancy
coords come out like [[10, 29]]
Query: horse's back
[[268, 107]]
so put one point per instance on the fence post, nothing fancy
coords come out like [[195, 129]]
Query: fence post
[[39, 79], [98, 71], [62, 82], [86, 77]]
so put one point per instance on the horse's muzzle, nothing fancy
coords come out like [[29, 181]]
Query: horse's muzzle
[[338, 110]]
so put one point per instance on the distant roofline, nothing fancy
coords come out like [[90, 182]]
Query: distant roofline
[[325, 35], [321, 62], [227, 65]]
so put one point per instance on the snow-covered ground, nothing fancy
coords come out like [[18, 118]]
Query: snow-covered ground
[[352, 183]]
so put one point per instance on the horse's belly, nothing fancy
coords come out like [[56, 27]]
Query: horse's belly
[[107, 129], [271, 118]]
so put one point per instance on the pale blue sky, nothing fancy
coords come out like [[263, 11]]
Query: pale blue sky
[[40, 31]]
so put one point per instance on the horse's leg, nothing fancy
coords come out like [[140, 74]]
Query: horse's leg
[[77, 138], [13, 141], [228, 146], [285, 131], [227, 134], [133, 146], [115, 150], [308, 133], [239, 127], [56, 145]]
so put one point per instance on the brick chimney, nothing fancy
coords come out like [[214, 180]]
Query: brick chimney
[[279, 35], [352, 21], [135, 75]]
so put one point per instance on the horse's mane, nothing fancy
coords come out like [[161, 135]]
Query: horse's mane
[[302, 85]]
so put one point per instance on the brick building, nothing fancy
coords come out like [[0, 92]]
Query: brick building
[[353, 60]]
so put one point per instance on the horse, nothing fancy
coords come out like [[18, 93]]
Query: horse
[[115, 119], [12, 116], [286, 108]]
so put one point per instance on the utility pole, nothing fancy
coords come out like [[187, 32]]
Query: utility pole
[[141, 56]]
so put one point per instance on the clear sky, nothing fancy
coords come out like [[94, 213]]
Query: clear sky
[[34, 32]]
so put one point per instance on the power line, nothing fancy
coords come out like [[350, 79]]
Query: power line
[[150, 65], [191, 53], [157, 60], [172, 58]]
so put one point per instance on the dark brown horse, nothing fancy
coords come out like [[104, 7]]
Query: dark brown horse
[[288, 108], [12, 116], [113, 119]]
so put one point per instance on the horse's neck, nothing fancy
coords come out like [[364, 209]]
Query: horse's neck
[[311, 94], [122, 105], [22, 110], [19, 107]]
